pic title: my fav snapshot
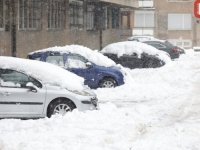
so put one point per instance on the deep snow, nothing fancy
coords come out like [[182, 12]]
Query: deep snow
[[158, 109]]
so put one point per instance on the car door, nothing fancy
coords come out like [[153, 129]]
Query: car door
[[131, 61], [16, 100], [77, 64]]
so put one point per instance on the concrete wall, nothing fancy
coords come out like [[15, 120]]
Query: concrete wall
[[28, 41], [163, 8]]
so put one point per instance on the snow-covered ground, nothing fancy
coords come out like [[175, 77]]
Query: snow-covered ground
[[158, 109]]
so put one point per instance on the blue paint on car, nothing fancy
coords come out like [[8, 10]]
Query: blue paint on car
[[93, 75]]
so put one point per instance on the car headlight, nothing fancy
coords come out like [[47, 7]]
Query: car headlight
[[84, 93]]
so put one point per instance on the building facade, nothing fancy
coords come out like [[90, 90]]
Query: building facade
[[171, 20], [29, 25]]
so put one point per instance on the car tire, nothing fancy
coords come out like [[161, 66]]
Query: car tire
[[60, 106], [107, 83]]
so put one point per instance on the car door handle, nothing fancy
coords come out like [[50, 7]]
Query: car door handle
[[5, 93], [73, 70]]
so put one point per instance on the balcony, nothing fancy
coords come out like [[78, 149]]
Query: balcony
[[146, 3], [126, 3]]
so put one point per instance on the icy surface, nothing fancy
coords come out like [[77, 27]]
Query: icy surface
[[130, 47], [45, 72], [158, 110], [93, 56]]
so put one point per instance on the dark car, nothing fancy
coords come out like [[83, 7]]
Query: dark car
[[134, 61], [180, 50], [169, 48]]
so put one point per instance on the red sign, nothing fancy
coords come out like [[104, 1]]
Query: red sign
[[197, 8]]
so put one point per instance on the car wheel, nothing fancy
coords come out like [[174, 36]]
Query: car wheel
[[60, 106], [108, 83]]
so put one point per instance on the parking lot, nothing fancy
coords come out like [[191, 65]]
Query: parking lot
[[154, 109]]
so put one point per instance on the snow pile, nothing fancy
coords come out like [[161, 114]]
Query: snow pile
[[93, 56], [171, 81], [160, 111], [130, 47], [45, 72]]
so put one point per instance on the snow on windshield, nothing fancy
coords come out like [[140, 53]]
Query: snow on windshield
[[45, 72], [93, 56], [130, 47]]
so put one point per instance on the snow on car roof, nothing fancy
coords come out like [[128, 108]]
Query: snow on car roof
[[45, 72], [93, 56], [130, 47]]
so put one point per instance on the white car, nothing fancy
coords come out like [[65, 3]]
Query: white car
[[32, 89]]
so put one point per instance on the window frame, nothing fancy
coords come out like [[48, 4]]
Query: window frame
[[77, 59], [183, 26], [55, 55], [115, 18], [5, 16], [21, 72], [76, 13], [58, 15], [144, 19], [35, 18]]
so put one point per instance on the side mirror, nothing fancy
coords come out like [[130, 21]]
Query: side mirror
[[89, 65], [32, 87]]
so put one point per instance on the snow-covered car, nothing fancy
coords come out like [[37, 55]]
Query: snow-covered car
[[32, 89], [166, 47], [95, 68], [150, 38], [133, 54], [141, 38]]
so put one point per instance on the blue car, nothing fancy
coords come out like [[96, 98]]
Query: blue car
[[95, 76]]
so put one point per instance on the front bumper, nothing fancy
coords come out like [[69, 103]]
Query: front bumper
[[91, 104]]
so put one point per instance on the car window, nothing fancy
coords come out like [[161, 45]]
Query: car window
[[161, 46], [74, 61], [35, 58], [154, 45], [11, 78], [56, 60]]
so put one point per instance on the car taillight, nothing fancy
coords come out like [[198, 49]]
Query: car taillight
[[175, 49], [27, 58]]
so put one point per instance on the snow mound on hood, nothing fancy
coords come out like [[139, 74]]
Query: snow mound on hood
[[93, 56], [130, 47], [45, 72]]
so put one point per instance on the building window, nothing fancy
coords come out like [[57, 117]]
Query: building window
[[179, 22], [144, 19], [76, 14], [97, 17], [125, 19], [4, 15], [90, 17], [115, 18], [179, 0], [29, 14], [183, 43], [56, 14]]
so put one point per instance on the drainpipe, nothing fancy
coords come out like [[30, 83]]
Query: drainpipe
[[13, 29]]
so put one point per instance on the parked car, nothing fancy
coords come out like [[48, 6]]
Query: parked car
[[141, 38], [135, 55], [149, 38], [30, 89], [169, 48], [73, 60]]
